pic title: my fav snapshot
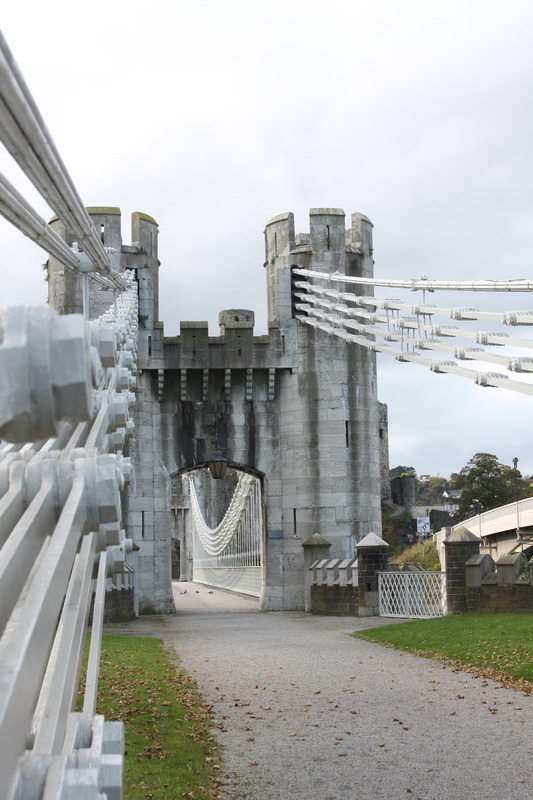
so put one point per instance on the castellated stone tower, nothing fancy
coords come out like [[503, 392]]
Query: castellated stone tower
[[65, 288], [296, 408], [329, 413]]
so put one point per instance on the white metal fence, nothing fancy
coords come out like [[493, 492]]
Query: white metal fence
[[65, 397], [229, 556], [412, 594]]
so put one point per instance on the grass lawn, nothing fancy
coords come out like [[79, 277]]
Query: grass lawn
[[497, 646], [170, 747]]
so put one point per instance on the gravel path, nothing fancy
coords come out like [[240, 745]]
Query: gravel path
[[309, 712]]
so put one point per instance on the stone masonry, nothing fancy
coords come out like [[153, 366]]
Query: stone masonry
[[297, 408]]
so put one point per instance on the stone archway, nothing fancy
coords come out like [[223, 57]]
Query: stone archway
[[219, 525]]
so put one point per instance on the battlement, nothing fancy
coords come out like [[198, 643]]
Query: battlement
[[328, 247], [235, 318], [107, 222], [327, 235], [65, 290], [236, 347]]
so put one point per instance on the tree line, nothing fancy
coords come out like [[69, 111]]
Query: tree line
[[484, 483]]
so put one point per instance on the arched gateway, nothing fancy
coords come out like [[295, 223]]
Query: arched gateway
[[296, 407], [219, 524]]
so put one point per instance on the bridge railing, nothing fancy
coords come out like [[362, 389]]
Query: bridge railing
[[65, 398], [408, 332], [26, 137]]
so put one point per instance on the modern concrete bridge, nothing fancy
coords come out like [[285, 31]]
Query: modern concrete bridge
[[504, 528]]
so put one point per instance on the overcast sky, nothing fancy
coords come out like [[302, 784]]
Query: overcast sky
[[214, 117]]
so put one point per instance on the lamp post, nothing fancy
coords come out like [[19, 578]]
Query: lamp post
[[515, 462], [478, 509]]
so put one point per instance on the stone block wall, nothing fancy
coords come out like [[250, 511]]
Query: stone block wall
[[298, 408], [498, 587], [119, 606], [342, 601], [516, 598], [474, 582], [349, 586]]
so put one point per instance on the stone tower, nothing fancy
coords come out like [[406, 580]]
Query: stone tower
[[65, 288], [297, 408], [329, 413]]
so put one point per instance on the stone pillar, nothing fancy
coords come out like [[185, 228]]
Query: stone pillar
[[372, 554], [461, 545], [315, 548]]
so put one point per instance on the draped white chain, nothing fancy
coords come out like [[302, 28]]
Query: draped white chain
[[215, 540]]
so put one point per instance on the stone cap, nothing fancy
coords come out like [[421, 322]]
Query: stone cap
[[326, 212], [461, 535], [103, 210], [279, 218], [194, 324], [316, 540], [141, 215], [347, 562], [509, 558], [236, 318], [371, 540], [356, 216], [474, 561]]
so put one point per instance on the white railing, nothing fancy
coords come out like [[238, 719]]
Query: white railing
[[65, 397], [26, 137], [229, 555], [511, 517], [412, 594], [408, 332]]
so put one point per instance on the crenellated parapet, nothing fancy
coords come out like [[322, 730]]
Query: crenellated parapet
[[65, 288], [328, 247], [296, 407]]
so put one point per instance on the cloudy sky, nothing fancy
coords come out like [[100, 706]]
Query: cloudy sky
[[214, 117]]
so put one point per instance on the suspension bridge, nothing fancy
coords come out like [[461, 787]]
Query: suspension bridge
[[103, 415]]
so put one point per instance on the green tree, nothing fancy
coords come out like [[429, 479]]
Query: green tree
[[396, 472], [430, 492], [485, 483]]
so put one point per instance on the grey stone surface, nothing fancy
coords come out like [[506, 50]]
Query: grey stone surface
[[309, 712], [297, 408]]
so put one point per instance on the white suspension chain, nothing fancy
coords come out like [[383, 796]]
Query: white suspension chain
[[357, 319], [215, 540]]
